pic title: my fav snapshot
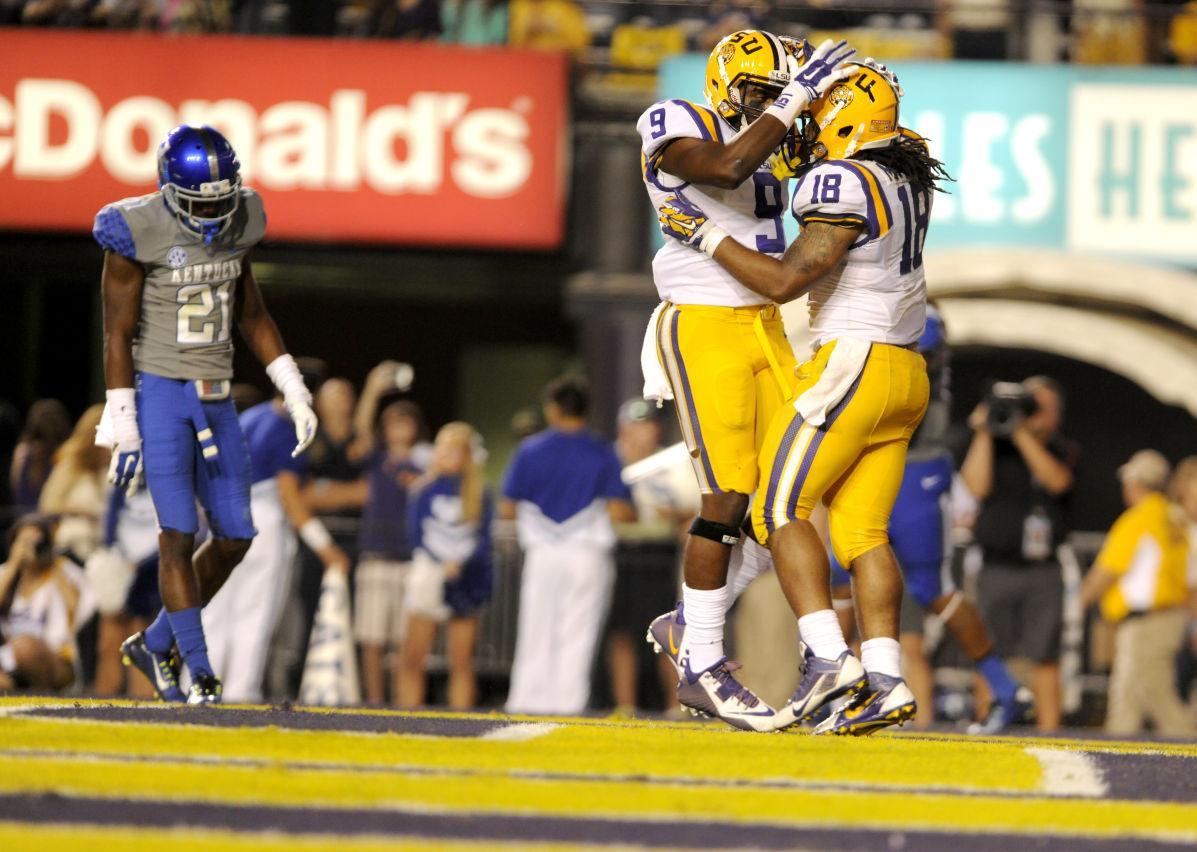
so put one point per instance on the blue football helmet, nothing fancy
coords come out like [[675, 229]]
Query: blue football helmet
[[200, 178]]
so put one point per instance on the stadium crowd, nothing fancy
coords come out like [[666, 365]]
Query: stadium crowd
[[428, 547], [632, 36]]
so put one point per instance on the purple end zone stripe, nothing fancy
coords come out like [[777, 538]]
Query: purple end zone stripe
[[808, 459], [702, 128], [779, 463], [681, 368], [870, 207]]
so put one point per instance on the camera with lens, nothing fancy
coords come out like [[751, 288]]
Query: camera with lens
[[1008, 404]]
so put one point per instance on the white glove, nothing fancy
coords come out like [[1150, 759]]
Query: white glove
[[298, 399], [305, 425], [811, 79], [127, 468]]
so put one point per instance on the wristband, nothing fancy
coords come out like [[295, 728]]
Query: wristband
[[122, 408], [711, 239], [285, 375], [788, 104], [315, 534]]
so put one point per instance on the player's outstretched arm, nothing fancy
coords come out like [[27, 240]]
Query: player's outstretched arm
[[728, 165], [262, 336], [819, 249]]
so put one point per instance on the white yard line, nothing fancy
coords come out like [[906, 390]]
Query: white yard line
[[520, 732], [1070, 773]]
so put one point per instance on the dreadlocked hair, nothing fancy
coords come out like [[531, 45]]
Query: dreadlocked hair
[[910, 158]]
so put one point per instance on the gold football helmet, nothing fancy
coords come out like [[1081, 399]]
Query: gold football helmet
[[858, 114], [748, 58]]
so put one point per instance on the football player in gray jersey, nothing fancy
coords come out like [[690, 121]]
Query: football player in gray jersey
[[176, 278]]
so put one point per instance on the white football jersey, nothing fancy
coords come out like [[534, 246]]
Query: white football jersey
[[752, 212], [878, 292]]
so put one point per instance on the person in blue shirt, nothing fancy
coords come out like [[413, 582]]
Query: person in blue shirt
[[563, 489], [240, 619], [384, 544], [451, 575]]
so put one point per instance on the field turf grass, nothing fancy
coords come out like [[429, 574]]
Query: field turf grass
[[129, 776]]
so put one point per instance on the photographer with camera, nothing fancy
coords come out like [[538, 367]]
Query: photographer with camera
[[1020, 469]]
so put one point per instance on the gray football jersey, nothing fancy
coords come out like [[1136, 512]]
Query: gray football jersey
[[187, 301]]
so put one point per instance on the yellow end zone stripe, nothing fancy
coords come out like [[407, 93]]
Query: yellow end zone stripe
[[16, 703], [70, 838], [712, 753], [596, 800]]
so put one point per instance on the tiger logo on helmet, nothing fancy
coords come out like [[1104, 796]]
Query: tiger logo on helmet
[[748, 58]]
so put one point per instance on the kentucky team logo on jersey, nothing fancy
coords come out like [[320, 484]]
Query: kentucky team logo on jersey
[[176, 257]]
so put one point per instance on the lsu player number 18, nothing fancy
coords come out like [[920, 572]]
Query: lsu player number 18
[[863, 202], [713, 345], [176, 277]]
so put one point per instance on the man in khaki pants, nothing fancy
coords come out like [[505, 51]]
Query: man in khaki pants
[[1139, 577]]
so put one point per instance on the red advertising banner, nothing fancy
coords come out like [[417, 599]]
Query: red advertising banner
[[347, 141]]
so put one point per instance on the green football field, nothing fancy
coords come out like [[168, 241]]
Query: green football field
[[123, 775]]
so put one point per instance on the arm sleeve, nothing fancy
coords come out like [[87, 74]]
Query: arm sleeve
[[514, 485], [113, 234], [1120, 544], [840, 192], [613, 486], [666, 121]]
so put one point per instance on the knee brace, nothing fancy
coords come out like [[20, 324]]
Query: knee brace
[[714, 531]]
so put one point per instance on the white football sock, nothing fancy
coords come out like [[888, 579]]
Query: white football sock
[[748, 561], [883, 656], [706, 610], [821, 631]]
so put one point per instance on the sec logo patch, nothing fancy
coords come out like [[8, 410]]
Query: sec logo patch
[[176, 257]]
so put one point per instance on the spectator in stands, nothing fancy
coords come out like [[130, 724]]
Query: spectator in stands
[[77, 489], [47, 425], [384, 542], [451, 576], [1020, 469], [474, 22], [38, 607], [56, 13], [404, 19], [977, 29], [10, 429], [196, 16], [645, 558], [549, 25], [1139, 578], [123, 575], [728, 16], [1183, 491], [1182, 35], [563, 488]]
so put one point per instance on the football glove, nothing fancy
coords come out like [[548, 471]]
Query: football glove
[[811, 79], [127, 468], [686, 223], [305, 424]]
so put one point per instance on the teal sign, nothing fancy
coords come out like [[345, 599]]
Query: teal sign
[[1087, 159]]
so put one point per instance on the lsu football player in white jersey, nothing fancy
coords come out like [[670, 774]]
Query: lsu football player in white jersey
[[863, 205], [720, 348]]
